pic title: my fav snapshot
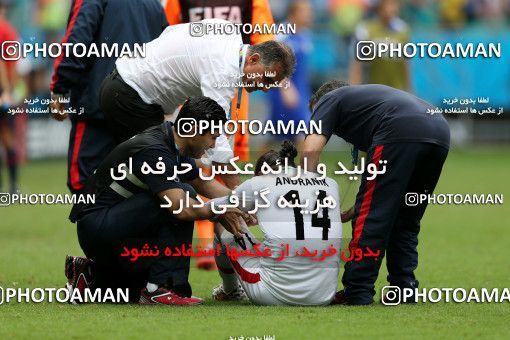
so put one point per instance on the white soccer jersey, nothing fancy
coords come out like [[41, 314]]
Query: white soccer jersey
[[297, 280]]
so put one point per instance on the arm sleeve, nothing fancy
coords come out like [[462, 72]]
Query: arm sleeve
[[325, 113], [261, 15], [210, 85], [190, 175], [156, 182], [84, 21], [173, 12]]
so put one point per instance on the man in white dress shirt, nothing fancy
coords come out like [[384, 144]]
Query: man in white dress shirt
[[180, 64]]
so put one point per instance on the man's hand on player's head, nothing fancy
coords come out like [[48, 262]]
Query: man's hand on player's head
[[311, 150], [231, 222]]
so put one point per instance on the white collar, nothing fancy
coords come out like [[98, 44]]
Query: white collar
[[242, 57]]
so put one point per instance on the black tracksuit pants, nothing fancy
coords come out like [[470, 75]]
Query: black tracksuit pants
[[139, 219], [126, 114], [89, 143], [382, 219]]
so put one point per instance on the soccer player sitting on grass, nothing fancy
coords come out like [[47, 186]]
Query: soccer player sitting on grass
[[287, 275], [127, 209]]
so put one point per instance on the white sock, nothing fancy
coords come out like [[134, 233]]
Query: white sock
[[151, 287], [226, 271]]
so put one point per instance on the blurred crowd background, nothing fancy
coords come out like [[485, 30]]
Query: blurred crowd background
[[327, 30]]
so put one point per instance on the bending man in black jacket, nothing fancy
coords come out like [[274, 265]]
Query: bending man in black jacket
[[127, 211]]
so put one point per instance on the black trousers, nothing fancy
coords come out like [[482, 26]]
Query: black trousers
[[103, 234], [90, 141], [125, 112], [382, 220]]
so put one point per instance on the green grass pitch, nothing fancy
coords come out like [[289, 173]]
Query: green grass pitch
[[460, 246]]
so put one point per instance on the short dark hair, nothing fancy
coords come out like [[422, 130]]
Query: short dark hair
[[273, 159], [272, 52], [201, 108], [325, 88]]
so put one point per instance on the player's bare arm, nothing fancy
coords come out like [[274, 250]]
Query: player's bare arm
[[312, 148]]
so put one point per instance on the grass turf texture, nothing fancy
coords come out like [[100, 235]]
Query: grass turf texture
[[460, 246]]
